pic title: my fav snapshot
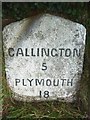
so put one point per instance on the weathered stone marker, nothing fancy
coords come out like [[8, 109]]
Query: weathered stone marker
[[44, 58]]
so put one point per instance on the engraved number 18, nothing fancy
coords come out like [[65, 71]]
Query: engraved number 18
[[44, 94]]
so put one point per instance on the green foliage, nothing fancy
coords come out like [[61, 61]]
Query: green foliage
[[13, 109], [22, 10]]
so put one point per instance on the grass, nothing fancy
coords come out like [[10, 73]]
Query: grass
[[52, 109]]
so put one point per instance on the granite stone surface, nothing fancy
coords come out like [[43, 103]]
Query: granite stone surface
[[44, 58]]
